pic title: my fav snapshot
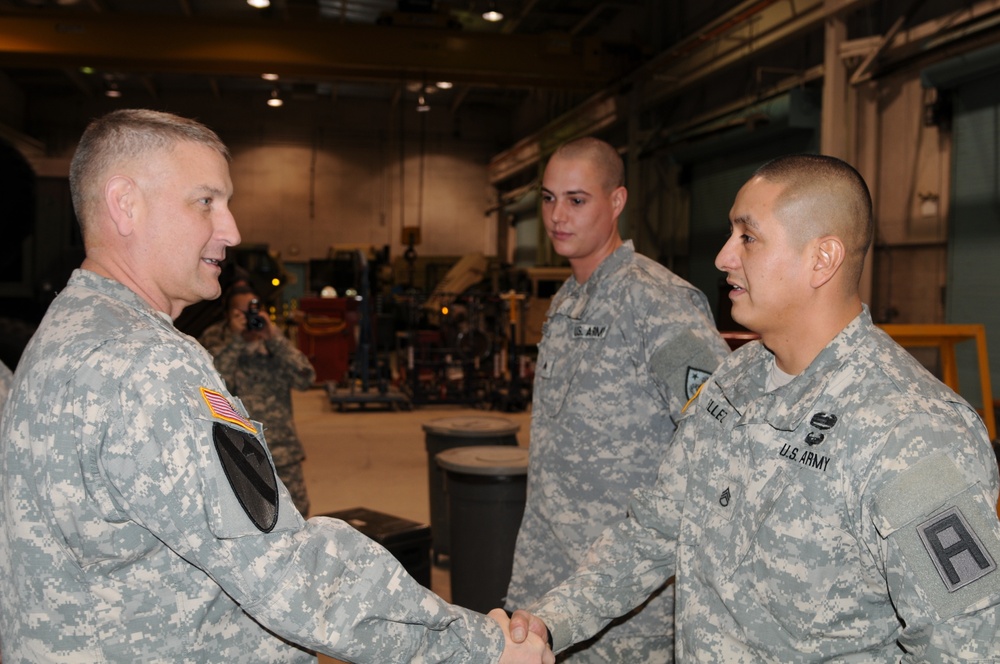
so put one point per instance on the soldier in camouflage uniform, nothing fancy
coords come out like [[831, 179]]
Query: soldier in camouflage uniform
[[826, 498], [625, 345], [261, 367], [140, 517]]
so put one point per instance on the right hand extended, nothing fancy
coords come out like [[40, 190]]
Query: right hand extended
[[529, 649], [523, 623]]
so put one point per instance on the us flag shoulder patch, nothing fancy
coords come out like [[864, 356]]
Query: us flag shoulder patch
[[221, 409]]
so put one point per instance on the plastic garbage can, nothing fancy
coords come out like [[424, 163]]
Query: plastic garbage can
[[486, 487], [447, 433]]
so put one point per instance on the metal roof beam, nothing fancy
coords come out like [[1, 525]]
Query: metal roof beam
[[317, 49]]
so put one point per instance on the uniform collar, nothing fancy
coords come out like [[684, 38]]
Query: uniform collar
[[575, 296], [787, 406], [118, 291]]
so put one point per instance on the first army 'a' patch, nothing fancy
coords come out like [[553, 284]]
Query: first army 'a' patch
[[245, 461], [956, 551]]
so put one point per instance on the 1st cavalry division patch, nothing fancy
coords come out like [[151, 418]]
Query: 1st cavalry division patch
[[244, 461]]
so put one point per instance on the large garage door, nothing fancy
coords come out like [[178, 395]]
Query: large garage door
[[974, 224]]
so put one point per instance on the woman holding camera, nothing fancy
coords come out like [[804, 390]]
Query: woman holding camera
[[261, 367]]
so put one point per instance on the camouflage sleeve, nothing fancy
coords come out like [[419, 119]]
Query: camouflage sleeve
[[626, 564], [682, 346], [320, 584], [293, 364], [936, 537], [6, 379]]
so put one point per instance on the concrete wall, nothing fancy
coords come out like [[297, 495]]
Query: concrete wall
[[317, 173]]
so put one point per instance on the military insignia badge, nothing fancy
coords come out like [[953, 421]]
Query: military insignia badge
[[250, 474], [244, 460], [221, 409], [694, 380], [955, 549]]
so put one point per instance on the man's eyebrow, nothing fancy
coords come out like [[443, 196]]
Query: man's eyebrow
[[746, 222], [571, 192]]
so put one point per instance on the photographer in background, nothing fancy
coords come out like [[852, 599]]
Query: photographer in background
[[261, 367]]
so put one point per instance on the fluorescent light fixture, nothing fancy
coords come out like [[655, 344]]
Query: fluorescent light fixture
[[492, 14], [259, 4]]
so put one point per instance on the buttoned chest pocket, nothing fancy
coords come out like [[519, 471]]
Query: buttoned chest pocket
[[793, 553]]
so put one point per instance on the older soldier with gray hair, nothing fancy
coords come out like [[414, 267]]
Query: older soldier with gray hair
[[625, 345], [825, 498], [141, 519]]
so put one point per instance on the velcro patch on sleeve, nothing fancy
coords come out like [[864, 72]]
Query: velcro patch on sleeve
[[955, 549], [684, 364], [250, 473], [945, 532], [221, 409]]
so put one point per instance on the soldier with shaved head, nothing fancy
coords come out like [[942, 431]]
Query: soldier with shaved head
[[625, 345], [825, 497]]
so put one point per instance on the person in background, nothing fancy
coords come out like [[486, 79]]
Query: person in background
[[825, 497], [261, 367], [140, 516], [626, 343]]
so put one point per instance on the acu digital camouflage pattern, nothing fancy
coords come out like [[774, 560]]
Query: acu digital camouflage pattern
[[6, 378], [262, 374], [122, 540], [620, 356], [794, 519]]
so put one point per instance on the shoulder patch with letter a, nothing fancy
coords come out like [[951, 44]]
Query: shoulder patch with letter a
[[956, 551], [250, 474]]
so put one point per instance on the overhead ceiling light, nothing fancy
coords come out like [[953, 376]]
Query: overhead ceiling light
[[113, 91], [269, 77], [259, 4], [422, 105], [445, 85], [492, 14], [275, 100]]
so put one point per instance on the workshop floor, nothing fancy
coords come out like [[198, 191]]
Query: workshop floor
[[375, 459]]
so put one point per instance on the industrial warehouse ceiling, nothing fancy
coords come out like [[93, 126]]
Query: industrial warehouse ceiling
[[327, 48], [152, 50]]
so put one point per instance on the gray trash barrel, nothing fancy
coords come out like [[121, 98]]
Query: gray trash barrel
[[446, 433], [486, 493]]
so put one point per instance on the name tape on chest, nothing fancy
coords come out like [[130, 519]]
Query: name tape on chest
[[589, 331]]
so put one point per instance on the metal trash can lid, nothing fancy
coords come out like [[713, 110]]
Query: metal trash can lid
[[471, 426], [485, 460]]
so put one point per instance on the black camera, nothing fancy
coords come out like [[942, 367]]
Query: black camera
[[254, 319]]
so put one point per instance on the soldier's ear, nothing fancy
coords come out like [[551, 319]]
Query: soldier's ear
[[120, 199], [828, 256], [618, 198]]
